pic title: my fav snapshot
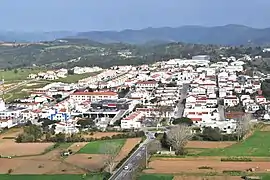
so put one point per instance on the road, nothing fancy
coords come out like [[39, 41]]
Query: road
[[180, 106], [132, 162], [221, 112]]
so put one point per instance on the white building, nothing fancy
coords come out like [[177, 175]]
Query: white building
[[133, 121], [93, 96]]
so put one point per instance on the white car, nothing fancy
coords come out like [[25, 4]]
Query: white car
[[126, 168]]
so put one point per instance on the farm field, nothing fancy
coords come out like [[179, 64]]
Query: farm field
[[255, 145], [155, 177], [76, 77], [194, 177], [95, 161], [95, 146], [193, 165], [52, 177], [18, 75], [209, 144], [99, 135], [8, 146]]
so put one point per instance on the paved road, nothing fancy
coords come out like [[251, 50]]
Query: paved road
[[180, 106], [132, 162], [221, 112]]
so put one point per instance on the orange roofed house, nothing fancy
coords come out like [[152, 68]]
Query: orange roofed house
[[93, 96]]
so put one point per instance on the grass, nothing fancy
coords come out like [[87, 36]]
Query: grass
[[155, 177], [95, 146], [256, 145], [75, 77], [52, 177], [22, 74]]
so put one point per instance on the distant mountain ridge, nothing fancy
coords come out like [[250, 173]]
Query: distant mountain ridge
[[223, 35]]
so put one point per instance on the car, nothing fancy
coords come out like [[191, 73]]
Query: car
[[125, 167]]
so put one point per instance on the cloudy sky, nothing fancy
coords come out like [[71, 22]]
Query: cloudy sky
[[87, 15]]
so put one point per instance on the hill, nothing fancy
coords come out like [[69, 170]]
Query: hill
[[223, 35]]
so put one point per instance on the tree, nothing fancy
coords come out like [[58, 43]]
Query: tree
[[57, 96], [178, 137], [211, 134], [154, 146], [60, 137], [15, 71], [243, 126], [86, 123], [70, 72], [110, 150], [183, 120], [33, 130]]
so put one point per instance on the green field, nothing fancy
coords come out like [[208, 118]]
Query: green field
[[155, 177], [18, 74], [95, 146], [256, 145], [76, 77], [52, 177]]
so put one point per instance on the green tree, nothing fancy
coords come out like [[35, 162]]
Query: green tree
[[183, 120], [211, 134], [34, 131]]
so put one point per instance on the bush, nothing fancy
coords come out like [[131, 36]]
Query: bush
[[205, 167], [233, 172], [236, 159], [10, 171], [8, 138]]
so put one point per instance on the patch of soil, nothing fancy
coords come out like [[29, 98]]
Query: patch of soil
[[11, 148], [206, 178], [209, 144], [26, 166], [14, 132], [265, 128], [75, 147], [191, 166], [67, 168], [128, 146], [91, 162]]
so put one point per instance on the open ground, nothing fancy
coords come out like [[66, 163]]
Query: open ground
[[207, 161], [45, 158]]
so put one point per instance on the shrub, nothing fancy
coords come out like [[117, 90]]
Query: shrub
[[233, 172], [205, 167], [236, 159], [10, 171], [8, 138]]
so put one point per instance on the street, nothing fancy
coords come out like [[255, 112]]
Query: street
[[181, 106], [132, 162]]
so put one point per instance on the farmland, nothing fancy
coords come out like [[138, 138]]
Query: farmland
[[52, 177], [216, 160], [94, 147], [44, 160], [256, 145]]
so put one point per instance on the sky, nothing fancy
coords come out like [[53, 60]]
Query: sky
[[89, 15]]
